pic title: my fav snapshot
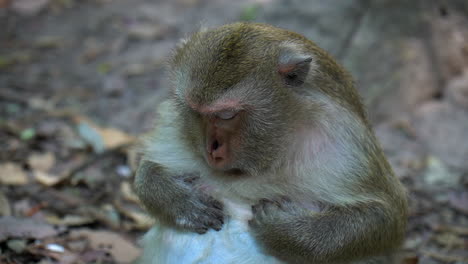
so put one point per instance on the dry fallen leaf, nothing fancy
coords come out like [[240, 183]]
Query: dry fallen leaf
[[147, 31], [135, 69], [134, 156], [46, 179], [5, 209], [25, 228], [114, 138], [127, 192], [449, 240], [69, 220], [12, 174], [122, 250], [41, 161], [101, 138], [142, 220]]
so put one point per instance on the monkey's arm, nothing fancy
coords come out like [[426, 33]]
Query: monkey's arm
[[172, 199], [333, 235]]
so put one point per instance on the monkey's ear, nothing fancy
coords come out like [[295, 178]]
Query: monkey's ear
[[294, 67]]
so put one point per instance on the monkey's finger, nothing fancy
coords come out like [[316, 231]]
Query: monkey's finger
[[210, 202], [216, 225], [284, 201], [266, 205], [258, 212], [201, 230], [215, 215], [255, 208], [217, 204]]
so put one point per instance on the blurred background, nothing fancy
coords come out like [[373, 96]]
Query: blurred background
[[79, 81]]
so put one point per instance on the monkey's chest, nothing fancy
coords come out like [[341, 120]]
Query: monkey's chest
[[232, 244]]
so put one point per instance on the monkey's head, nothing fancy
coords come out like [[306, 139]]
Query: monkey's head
[[241, 89]]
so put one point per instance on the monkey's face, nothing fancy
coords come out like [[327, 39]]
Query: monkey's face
[[237, 88], [219, 132], [241, 130]]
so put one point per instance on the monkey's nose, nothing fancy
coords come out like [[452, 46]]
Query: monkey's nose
[[217, 152]]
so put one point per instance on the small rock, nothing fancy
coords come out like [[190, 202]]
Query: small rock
[[48, 128], [439, 174], [412, 243], [404, 153], [134, 69], [114, 85], [442, 128], [55, 248]]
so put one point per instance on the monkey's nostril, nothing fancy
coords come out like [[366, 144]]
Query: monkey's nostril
[[215, 145]]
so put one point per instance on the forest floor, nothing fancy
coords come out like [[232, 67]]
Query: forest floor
[[79, 81]]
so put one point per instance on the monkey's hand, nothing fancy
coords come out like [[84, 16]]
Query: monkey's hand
[[174, 200], [268, 212], [336, 234], [277, 225], [197, 212]]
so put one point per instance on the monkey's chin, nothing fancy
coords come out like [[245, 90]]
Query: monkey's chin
[[223, 166]]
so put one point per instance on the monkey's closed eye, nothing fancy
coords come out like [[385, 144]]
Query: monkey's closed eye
[[226, 115]]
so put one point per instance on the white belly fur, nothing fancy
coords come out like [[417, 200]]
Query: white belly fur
[[232, 244]]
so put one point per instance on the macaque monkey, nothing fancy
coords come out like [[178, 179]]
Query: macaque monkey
[[263, 154]]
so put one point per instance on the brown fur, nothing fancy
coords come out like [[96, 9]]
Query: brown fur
[[309, 142]]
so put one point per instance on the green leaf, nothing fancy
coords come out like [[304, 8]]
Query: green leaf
[[27, 134], [104, 68], [250, 12]]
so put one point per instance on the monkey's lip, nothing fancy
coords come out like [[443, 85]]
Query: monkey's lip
[[224, 167], [215, 163]]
